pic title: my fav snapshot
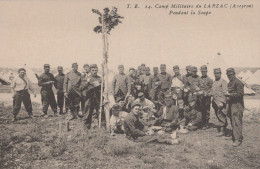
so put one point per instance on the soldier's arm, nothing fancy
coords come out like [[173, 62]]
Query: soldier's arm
[[224, 86], [210, 83], [30, 86], [13, 84], [55, 81], [41, 82], [114, 85], [65, 84]]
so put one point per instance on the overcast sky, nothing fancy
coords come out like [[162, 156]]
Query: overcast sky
[[60, 32]]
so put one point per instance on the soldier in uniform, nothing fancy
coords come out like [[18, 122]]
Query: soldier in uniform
[[45, 81], [84, 76], [71, 91], [144, 80], [185, 81], [60, 94], [134, 85], [177, 85], [136, 131], [219, 100], [235, 98], [20, 87], [91, 90], [165, 80], [154, 87], [205, 87], [120, 85]]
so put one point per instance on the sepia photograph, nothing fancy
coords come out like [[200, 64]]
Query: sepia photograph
[[163, 84]]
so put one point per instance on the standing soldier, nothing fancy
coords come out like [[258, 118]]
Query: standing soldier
[[60, 94], [205, 87], [235, 105], [185, 81], [219, 101], [154, 87], [177, 85], [92, 90], [85, 75], [46, 80], [71, 90], [20, 87], [120, 85], [165, 79], [134, 86], [144, 80]]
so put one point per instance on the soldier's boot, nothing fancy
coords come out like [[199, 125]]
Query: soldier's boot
[[30, 115], [14, 119], [236, 143], [182, 130], [71, 115], [221, 132], [206, 125], [61, 111], [174, 141]]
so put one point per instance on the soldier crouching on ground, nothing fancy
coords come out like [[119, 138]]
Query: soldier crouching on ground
[[136, 131], [235, 105], [192, 114], [169, 116], [117, 119], [46, 80], [20, 87], [72, 83]]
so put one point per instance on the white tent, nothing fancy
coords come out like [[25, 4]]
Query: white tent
[[257, 74], [30, 74], [252, 79], [248, 74], [242, 75]]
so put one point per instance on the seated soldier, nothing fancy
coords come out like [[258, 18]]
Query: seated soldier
[[116, 120], [192, 114], [169, 116], [147, 106], [135, 129]]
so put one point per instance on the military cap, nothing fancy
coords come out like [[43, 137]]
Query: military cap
[[116, 107], [176, 67], [203, 68], [143, 65], [168, 97], [134, 104], [120, 66], [163, 65], [155, 68], [93, 66], [140, 94], [60, 68], [20, 69], [217, 70], [188, 67], [74, 64], [85, 65], [131, 68], [194, 68], [147, 68], [46, 66], [230, 70]]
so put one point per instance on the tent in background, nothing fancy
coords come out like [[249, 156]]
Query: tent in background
[[30, 74], [257, 74]]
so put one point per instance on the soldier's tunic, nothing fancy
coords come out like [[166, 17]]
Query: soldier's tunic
[[133, 84], [120, 87], [135, 131], [144, 80], [177, 85], [205, 86], [165, 79], [193, 83], [59, 86], [219, 89], [21, 87], [185, 94], [72, 83], [84, 78], [168, 115], [236, 107], [47, 95], [91, 94]]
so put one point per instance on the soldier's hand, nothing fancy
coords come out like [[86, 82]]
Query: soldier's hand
[[167, 124], [220, 105], [189, 124]]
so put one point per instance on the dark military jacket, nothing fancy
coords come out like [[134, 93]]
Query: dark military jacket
[[46, 77], [88, 89], [206, 84], [72, 80], [236, 90], [133, 127], [171, 114], [194, 82], [165, 79], [60, 81]]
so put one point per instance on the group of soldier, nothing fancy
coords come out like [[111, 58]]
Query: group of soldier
[[176, 103]]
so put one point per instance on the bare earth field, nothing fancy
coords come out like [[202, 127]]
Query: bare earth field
[[38, 143]]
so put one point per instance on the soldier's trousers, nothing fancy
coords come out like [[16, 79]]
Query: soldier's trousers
[[19, 97], [161, 96], [88, 111], [205, 109], [73, 103], [220, 114], [60, 99], [48, 98], [236, 111]]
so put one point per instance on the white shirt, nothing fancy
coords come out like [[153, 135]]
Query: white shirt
[[19, 84]]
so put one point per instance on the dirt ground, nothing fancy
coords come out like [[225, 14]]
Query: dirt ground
[[39, 143]]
